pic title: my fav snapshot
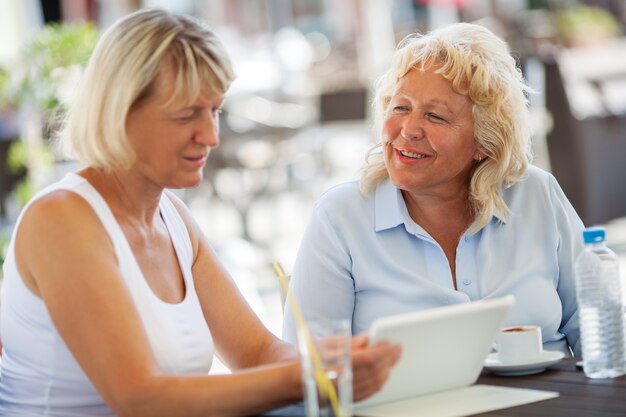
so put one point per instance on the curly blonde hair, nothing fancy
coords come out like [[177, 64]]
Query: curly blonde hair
[[479, 66], [122, 73]]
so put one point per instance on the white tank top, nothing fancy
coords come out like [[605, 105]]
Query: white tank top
[[40, 377]]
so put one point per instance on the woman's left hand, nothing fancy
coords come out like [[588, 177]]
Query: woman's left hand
[[371, 365]]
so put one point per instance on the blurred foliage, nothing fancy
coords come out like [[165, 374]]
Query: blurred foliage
[[16, 165], [15, 158], [4, 82], [43, 80], [50, 66], [586, 24], [4, 246], [538, 4]]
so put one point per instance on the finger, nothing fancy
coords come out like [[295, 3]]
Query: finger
[[381, 354], [366, 385], [371, 368], [359, 341]]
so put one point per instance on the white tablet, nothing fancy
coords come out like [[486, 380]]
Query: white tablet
[[442, 348]]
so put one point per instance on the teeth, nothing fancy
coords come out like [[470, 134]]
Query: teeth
[[413, 154]]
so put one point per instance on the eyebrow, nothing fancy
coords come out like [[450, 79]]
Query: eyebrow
[[430, 101], [199, 103]]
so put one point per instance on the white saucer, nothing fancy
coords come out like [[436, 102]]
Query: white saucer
[[536, 366]]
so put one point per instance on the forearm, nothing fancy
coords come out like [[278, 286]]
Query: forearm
[[278, 351], [243, 393]]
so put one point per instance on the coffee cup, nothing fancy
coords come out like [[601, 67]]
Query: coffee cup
[[519, 344]]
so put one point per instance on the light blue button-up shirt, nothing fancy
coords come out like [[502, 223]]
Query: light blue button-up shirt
[[364, 257]]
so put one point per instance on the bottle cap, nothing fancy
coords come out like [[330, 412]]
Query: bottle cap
[[594, 234]]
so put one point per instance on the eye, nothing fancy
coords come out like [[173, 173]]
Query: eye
[[186, 115], [435, 117], [400, 108]]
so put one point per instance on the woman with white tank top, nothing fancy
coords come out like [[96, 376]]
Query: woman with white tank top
[[113, 302]]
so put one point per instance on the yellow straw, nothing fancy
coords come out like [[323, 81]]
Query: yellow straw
[[326, 387]]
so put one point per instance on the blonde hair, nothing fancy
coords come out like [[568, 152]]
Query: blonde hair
[[479, 66], [122, 73]]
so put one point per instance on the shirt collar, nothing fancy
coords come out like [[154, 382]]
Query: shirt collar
[[389, 205], [391, 211]]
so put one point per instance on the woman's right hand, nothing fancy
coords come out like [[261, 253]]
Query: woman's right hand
[[371, 365]]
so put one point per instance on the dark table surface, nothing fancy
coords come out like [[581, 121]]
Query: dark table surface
[[579, 395]]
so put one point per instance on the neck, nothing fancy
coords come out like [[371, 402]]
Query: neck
[[128, 197], [427, 210], [445, 220]]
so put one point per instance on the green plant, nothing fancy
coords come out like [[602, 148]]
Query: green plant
[[4, 246], [16, 165], [41, 82], [586, 24], [4, 82], [50, 65]]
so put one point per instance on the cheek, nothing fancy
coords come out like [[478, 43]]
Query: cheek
[[471, 145], [387, 150], [390, 129]]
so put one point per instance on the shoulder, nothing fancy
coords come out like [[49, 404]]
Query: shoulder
[[183, 211], [68, 210], [535, 180], [539, 192], [537, 176], [344, 195], [68, 202], [187, 218], [343, 208], [59, 225], [65, 207]]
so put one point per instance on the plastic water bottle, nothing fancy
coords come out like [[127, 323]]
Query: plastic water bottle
[[599, 295]]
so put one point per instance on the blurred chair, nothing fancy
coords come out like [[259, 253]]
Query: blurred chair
[[586, 94], [349, 104]]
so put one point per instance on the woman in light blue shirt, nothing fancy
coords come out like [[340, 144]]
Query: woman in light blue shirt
[[448, 209]]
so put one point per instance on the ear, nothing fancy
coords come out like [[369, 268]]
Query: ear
[[479, 156]]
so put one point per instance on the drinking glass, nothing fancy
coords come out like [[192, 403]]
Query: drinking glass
[[325, 356]]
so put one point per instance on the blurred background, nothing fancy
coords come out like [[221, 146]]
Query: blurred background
[[297, 119]]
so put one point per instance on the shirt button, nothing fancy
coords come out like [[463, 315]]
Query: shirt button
[[467, 281]]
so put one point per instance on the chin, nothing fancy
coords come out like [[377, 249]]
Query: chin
[[185, 183], [402, 181], [192, 184]]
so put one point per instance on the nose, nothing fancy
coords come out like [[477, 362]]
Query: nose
[[412, 128], [208, 133]]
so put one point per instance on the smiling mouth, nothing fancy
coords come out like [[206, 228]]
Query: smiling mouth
[[196, 158], [413, 155]]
